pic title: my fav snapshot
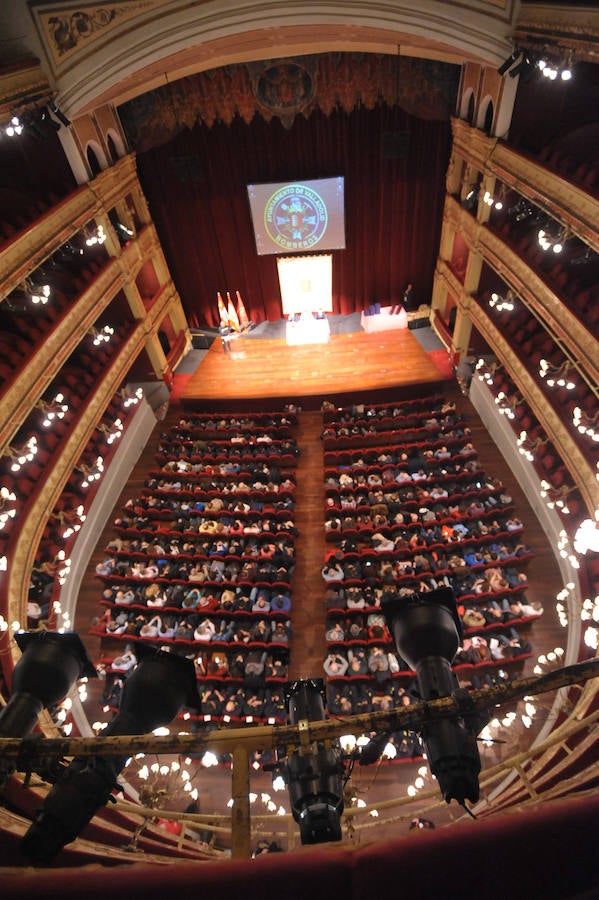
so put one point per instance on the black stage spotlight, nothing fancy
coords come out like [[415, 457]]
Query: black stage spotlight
[[59, 114], [48, 668], [313, 774], [32, 123], [160, 686], [427, 632], [525, 67], [509, 62], [47, 119]]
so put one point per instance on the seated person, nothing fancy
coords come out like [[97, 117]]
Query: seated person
[[335, 665]]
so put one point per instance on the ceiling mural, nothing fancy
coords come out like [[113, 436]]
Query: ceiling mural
[[286, 88]]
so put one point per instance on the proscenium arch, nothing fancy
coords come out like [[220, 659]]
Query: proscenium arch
[[161, 45]]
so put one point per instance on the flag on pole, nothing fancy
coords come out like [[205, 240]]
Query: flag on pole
[[233, 320], [243, 316], [224, 318]]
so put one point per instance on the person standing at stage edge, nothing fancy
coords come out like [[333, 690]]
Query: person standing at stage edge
[[408, 297]]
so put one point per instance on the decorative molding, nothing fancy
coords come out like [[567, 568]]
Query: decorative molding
[[288, 87], [67, 29], [545, 25], [23, 86]]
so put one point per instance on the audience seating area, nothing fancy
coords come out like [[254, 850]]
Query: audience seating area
[[407, 517], [202, 562]]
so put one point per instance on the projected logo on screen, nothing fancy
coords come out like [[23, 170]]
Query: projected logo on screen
[[295, 217]]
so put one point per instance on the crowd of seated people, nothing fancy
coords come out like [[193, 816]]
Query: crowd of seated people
[[198, 455], [255, 480], [209, 423], [219, 701], [208, 575], [353, 698], [397, 534]]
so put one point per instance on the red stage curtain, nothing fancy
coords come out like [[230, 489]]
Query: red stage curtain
[[196, 186]]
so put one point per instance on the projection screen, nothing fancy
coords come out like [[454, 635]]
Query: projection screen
[[298, 216]]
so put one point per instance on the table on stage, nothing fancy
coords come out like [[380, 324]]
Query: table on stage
[[307, 328]]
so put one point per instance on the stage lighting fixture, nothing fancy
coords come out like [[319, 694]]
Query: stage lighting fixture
[[427, 632], [161, 685], [526, 68], [47, 119], [509, 62], [33, 124], [313, 773], [45, 673], [59, 114]]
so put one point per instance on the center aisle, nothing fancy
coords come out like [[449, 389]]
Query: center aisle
[[308, 645]]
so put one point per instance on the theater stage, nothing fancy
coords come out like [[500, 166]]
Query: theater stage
[[269, 369]]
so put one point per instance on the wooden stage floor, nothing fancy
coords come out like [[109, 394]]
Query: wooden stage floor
[[349, 363]]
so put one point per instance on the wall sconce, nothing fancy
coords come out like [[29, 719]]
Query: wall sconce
[[557, 375], [37, 292], [14, 127], [486, 371], [508, 405], [490, 200], [53, 409], [551, 68], [91, 473], [549, 240], [96, 236], [502, 304], [528, 447], [8, 508], [131, 399], [585, 424], [73, 519], [20, 456], [586, 539], [112, 432], [101, 335], [556, 497]]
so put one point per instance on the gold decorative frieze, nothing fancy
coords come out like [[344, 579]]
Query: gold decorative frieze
[[22, 86], [68, 29], [472, 144], [562, 27]]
